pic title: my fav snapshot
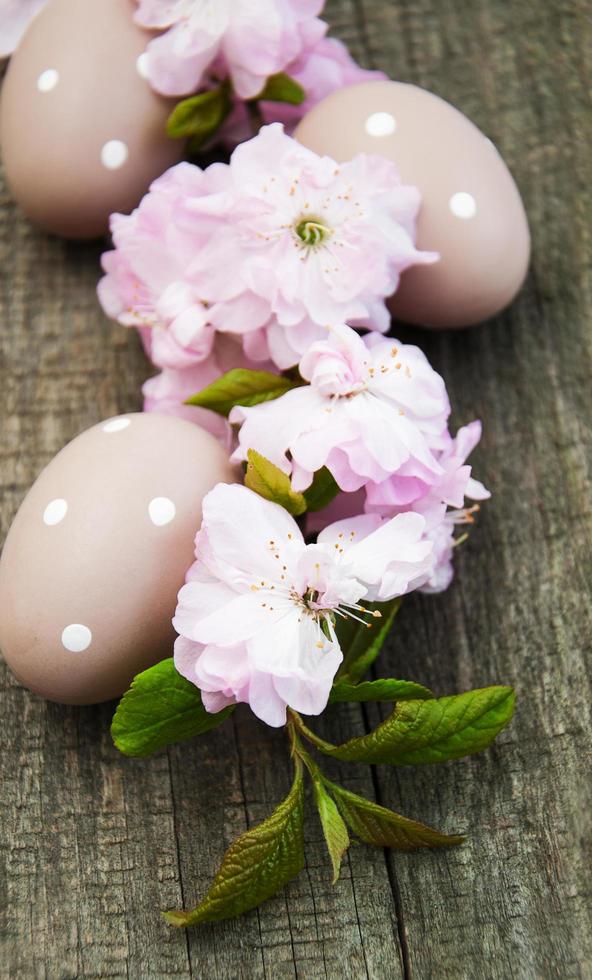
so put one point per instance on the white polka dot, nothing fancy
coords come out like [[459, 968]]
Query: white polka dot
[[142, 65], [161, 511], [463, 205], [381, 124], [55, 511], [114, 154], [116, 425], [48, 80], [76, 638]]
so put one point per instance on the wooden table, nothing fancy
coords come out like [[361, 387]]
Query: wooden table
[[93, 845]]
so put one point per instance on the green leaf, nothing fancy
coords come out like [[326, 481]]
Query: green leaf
[[419, 732], [270, 482], [334, 829], [376, 825], [362, 645], [322, 490], [241, 387], [200, 116], [282, 88], [380, 690], [256, 865], [160, 707]]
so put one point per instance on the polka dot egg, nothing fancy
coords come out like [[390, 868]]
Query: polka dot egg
[[97, 552], [471, 211], [82, 132]]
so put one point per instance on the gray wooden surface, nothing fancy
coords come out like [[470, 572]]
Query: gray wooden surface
[[93, 845]]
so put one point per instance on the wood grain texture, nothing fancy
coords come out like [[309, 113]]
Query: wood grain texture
[[93, 844]]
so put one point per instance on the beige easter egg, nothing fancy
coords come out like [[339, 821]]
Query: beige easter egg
[[471, 211], [98, 551], [82, 132]]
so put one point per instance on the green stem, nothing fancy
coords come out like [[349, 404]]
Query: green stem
[[298, 725]]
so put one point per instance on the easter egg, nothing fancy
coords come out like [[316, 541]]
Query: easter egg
[[98, 551], [82, 133], [471, 211]]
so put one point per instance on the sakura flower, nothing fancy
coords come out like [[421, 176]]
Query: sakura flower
[[324, 66], [237, 38], [442, 504], [154, 280], [373, 408], [270, 248], [15, 17], [257, 614], [451, 488], [319, 242]]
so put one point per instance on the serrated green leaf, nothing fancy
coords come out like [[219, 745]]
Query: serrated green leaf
[[282, 88], [376, 825], [241, 387], [361, 645], [161, 707], [385, 689], [270, 482], [200, 116], [256, 865], [322, 490], [420, 732], [334, 828]]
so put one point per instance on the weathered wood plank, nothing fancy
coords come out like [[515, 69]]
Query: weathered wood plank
[[514, 901]]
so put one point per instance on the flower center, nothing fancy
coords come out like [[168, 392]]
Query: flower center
[[312, 232]]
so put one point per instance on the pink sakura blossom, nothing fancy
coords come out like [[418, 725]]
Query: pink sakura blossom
[[442, 504], [257, 615], [272, 248], [245, 41], [323, 67], [320, 243], [15, 17], [155, 277], [373, 408]]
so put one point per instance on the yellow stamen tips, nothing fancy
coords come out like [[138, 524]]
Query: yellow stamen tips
[[289, 536], [320, 646], [368, 626], [398, 366], [401, 412], [394, 351], [340, 535], [377, 614], [254, 588]]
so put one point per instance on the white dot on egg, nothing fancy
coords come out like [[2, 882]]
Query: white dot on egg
[[114, 154], [161, 510], [55, 511], [76, 637], [381, 124], [463, 205], [116, 425], [142, 65], [48, 80]]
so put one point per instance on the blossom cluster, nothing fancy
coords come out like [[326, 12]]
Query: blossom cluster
[[203, 42], [282, 260], [271, 248]]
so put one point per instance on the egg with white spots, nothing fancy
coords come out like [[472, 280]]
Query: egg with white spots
[[82, 132], [98, 551], [471, 211]]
